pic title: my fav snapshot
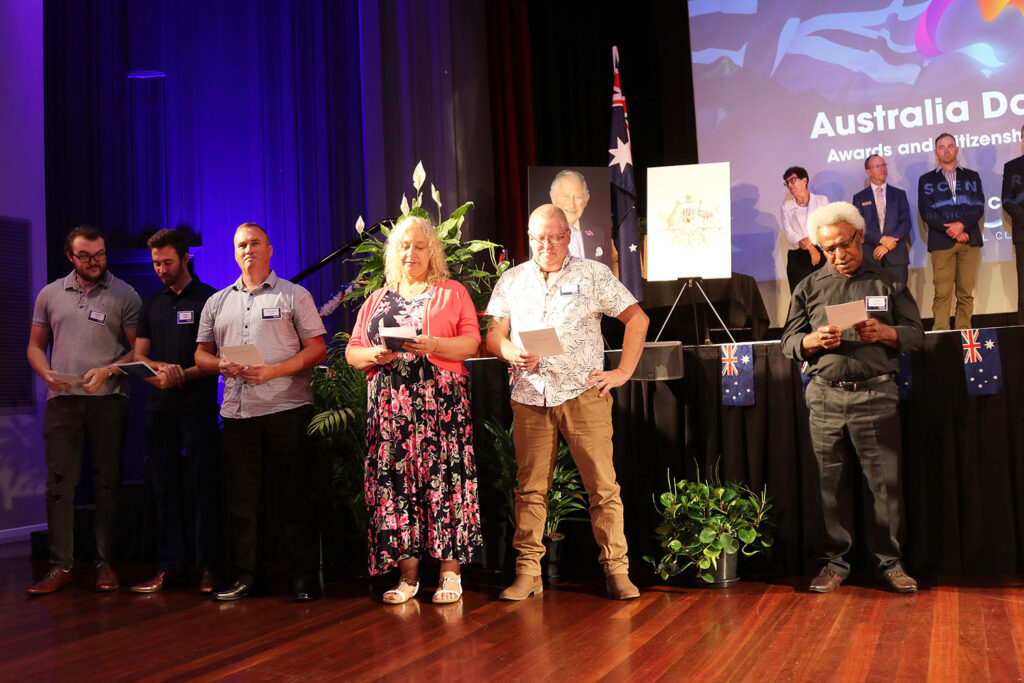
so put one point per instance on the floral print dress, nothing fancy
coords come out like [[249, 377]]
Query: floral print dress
[[421, 487]]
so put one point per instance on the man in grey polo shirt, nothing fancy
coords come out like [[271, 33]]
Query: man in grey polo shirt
[[266, 408], [88, 320]]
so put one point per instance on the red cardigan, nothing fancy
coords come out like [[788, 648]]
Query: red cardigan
[[449, 313]]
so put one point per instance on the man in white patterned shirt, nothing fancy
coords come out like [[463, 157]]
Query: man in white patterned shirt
[[567, 393]]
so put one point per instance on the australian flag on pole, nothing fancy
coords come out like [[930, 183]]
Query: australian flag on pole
[[737, 375], [624, 218], [982, 368]]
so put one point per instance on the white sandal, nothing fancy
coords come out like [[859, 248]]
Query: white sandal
[[441, 590], [397, 596]]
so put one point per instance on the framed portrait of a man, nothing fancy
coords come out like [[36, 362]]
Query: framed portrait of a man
[[583, 193]]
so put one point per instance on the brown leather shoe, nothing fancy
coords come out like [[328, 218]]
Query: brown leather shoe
[[523, 587], [106, 579], [619, 587], [900, 582], [156, 584], [207, 581], [54, 580], [825, 582]]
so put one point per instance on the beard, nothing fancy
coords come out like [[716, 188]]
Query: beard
[[84, 274]]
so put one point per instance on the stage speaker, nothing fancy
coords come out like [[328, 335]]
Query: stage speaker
[[660, 361]]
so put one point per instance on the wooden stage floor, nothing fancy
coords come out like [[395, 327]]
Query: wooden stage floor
[[949, 630]]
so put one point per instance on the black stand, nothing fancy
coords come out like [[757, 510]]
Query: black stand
[[695, 282]]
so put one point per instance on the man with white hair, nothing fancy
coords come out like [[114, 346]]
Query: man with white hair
[[852, 398], [570, 193]]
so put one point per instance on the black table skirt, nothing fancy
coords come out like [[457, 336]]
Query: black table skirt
[[963, 456]]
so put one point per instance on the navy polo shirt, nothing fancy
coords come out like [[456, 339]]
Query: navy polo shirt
[[171, 322]]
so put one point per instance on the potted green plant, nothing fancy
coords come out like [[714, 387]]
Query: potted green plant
[[567, 499], [339, 429], [705, 524]]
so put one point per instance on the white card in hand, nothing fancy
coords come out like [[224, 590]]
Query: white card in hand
[[73, 380], [845, 316], [541, 342], [246, 354], [395, 337]]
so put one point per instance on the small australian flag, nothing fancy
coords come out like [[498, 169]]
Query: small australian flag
[[737, 375], [982, 368]]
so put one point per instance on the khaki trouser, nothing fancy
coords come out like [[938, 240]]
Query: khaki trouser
[[586, 423], [959, 266]]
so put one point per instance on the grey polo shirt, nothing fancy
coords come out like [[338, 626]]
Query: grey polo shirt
[[87, 329], [276, 317]]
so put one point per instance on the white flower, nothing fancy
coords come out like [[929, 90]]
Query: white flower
[[404, 206], [599, 252], [418, 176], [360, 225], [435, 195]]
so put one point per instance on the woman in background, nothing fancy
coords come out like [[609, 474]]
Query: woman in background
[[804, 257]]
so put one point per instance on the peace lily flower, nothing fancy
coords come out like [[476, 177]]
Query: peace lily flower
[[436, 196], [360, 225], [404, 206], [418, 176]]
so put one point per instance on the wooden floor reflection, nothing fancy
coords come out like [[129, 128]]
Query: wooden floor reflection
[[949, 630]]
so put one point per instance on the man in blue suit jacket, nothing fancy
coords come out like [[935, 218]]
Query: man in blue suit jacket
[[952, 202], [1013, 204], [887, 246]]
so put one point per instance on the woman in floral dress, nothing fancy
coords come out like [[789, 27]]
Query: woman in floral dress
[[421, 488]]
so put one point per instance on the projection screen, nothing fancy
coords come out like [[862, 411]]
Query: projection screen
[[823, 84]]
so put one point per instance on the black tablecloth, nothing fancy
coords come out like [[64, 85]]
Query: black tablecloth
[[963, 456]]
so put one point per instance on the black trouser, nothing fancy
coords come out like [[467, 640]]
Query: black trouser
[[170, 432], [270, 454], [67, 422], [798, 266], [1020, 283], [857, 433]]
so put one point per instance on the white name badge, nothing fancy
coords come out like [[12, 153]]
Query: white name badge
[[569, 290], [877, 304], [98, 317], [271, 313], [185, 317]]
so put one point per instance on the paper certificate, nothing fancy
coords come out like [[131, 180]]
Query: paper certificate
[[73, 380], [541, 342], [395, 337], [137, 369], [845, 316], [246, 354]]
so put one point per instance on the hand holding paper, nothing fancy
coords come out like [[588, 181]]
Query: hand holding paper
[[395, 337], [542, 342], [845, 316]]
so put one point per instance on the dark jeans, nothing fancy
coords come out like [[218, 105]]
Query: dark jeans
[[270, 456], [67, 422], [170, 432]]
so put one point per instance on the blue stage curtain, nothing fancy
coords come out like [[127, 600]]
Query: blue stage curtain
[[299, 115]]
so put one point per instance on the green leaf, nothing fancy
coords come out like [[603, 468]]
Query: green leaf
[[707, 577], [707, 535], [747, 535]]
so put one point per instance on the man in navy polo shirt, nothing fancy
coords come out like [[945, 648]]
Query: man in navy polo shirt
[[181, 416]]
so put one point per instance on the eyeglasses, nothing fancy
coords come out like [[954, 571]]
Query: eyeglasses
[[86, 257], [554, 241], [845, 246], [790, 180]]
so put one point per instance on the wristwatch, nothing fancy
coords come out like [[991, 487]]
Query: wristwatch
[[110, 373]]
